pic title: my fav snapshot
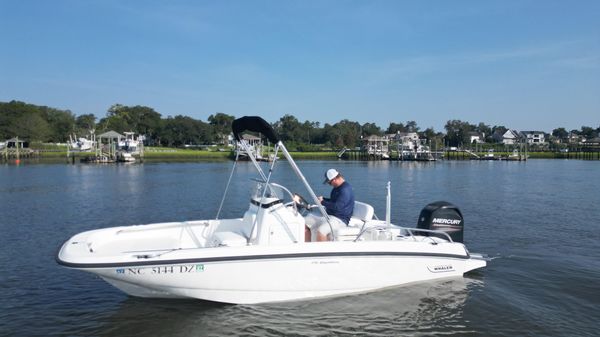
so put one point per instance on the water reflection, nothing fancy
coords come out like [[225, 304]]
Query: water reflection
[[430, 307]]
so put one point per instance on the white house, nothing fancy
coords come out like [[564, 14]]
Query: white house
[[476, 137], [574, 138], [511, 137], [534, 137]]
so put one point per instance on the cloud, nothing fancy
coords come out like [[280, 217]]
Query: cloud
[[188, 19], [583, 62], [553, 54]]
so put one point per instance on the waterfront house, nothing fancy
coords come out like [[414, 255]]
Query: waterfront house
[[407, 136], [534, 137], [511, 137], [574, 138], [377, 146], [476, 137], [255, 146], [497, 136], [593, 141]]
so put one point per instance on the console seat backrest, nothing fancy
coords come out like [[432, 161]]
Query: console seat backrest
[[363, 211]]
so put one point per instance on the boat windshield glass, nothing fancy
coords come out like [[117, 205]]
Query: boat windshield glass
[[272, 190]]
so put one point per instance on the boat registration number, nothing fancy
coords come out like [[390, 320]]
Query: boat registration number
[[158, 270]]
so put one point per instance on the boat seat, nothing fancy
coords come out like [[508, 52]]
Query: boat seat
[[362, 213]]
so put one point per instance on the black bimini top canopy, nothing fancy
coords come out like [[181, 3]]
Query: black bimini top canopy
[[254, 124]]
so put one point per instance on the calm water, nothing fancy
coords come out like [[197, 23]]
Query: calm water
[[539, 220]]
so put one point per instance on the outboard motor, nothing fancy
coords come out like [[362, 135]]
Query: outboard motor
[[442, 216]]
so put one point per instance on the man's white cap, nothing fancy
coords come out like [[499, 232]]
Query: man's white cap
[[330, 174]]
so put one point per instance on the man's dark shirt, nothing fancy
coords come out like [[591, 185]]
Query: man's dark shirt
[[341, 202]]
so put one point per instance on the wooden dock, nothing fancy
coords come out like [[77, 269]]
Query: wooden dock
[[17, 153]]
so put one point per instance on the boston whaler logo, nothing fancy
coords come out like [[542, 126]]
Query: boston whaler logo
[[162, 270], [441, 268]]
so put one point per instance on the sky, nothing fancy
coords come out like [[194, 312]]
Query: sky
[[525, 65]]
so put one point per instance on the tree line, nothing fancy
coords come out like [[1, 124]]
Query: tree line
[[45, 124]]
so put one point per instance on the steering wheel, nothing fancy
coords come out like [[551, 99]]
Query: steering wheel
[[301, 201]]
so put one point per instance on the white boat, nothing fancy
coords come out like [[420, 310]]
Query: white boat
[[262, 257], [129, 144], [81, 144], [490, 155], [125, 157]]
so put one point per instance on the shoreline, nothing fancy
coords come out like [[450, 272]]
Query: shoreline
[[163, 154], [184, 155]]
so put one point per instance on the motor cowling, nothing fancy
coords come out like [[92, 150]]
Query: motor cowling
[[442, 216]]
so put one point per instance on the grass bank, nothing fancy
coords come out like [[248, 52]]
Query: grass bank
[[176, 154], [159, 153], [170, 153]]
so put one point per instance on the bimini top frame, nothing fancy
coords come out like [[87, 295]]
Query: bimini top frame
[[257, 124]]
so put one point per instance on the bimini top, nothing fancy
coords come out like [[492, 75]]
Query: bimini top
[[254, 124]]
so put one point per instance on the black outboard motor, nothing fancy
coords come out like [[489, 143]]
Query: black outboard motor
[[442, 216]]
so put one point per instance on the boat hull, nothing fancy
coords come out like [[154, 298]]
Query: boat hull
[[248, 275]]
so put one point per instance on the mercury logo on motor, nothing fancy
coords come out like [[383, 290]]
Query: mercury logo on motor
[[447, 221]]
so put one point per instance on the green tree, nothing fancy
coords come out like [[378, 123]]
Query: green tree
[[85, 123], [411, 126], [114, 122], [312, 131], [369, 129], [61, 124], [588, 132], [395, 128], [483, 129], [457, 132], [141, 119], [560, 133], [221, 126], [344, 134], [34, 123], [183, 130], [32, 126], [290, 129]]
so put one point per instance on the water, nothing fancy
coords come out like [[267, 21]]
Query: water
[[538, 220]]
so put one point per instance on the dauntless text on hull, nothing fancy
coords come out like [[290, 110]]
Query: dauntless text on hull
[[262, 257]]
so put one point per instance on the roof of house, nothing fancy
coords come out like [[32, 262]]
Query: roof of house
[[376, 138], [14, 140], [513, 133], [595, 140], [111, 134]]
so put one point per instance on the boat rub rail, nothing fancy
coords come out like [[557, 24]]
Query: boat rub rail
[[253, 257]]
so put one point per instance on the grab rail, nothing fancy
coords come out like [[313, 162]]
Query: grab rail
[[410, 231], [159, 226]]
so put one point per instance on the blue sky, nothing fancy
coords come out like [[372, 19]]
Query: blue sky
[[528, 65]]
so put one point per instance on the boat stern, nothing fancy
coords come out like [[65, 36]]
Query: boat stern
[[475, 261]]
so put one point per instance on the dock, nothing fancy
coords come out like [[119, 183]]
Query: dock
[[15, 148], [109, 147]]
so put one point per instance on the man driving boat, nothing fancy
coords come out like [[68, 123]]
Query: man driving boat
[[339, 206]]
